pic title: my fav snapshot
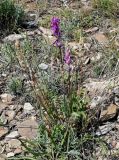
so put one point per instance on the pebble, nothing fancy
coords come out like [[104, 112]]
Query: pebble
[[7, 98], [43, 66], [3, 131], [28, 107], [13, 134], [10, 154]]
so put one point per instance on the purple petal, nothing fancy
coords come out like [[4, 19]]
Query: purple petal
[[67, 57]]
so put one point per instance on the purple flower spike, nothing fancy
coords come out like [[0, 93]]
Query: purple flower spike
[[67, 57], [55, 26]]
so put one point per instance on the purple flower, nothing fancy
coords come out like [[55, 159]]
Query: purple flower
[[55, 26], [67, 57], [57, 43]]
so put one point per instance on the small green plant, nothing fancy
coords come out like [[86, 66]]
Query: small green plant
[[16, 86], [11, 15], [97, 71]]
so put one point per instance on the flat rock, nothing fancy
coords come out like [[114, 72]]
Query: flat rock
[[109, 113], [23, 35], [14, 143], [102, 86], [28, 128], [3, 131], [96, 86], [101, 38], [13, 37], [102, 130], [12, 135]]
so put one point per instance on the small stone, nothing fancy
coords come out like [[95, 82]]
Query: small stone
[[14, 37], [116, 99], [14, 143], [116, 90], [31, 16], [109, 113], [3, 106], [28, 107], [75, 46], [90, 30], [87, 61], [10, 154], [97, 57], [13, 134], [117, 145], [45, 31], [4, 75], [2, 148], [101, 38], [113, 143], [3, 131], [96, 101], [2, 157], [43, 66], [102, 130], [17, 151], [7, 98], [86, 9], [11, 115], [28, 128], [87, 46]]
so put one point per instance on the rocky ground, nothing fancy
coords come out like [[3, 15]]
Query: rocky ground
[[98, 52]]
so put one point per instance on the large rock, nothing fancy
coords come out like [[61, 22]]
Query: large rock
[[28, 128]]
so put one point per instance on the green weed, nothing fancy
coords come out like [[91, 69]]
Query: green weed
[[16, 86], [11, 15]]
